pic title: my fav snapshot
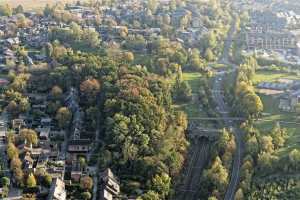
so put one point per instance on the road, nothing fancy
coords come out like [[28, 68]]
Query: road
[[237, 159], [224, 110], [196, 165]]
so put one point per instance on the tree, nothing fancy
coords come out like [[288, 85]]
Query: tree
[[217, 174], [19, 175], [30, 136], [12, 151], [91, 38], [128, 56], [48, 50], [19, 9], [86, 183], [47, 10], [47, 179], [267, 144], [86, 195], [252, 146], [56, 92], [253, 104], [63, 116], [5, 181], [161, 184], [266, 161], [150, 195], [294, 158], [15, 163], [209, 55], [239, 195], [90, 88], [31, 182], [5, 10], [212, 198], [223, 141], [152, 5], [12, 107], [82, 162]]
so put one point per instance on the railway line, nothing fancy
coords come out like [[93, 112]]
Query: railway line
[[195, 167]]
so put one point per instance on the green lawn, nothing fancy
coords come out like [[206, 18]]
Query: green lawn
[[193, 78], [269, 76], [192, 109], [272, 115]]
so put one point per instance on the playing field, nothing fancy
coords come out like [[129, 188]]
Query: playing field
[[33, 4]]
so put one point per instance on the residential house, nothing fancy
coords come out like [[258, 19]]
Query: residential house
[[109, 187], [57, 190], [79, 146], [289, 100]]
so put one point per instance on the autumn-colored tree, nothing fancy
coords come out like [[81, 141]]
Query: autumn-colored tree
[[56, 92], [86, 183], [15, 163], [90, 88], [63, 116], [12, 151], [30, 136]]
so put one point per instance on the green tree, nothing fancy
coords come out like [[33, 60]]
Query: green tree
[[47, 179], [217, 174], [150, 195], [209, 55], [267, 144], [91, 38], [31, 182], [161, 184], [19, 9], [5, 181], [294, 158], [86, 195]]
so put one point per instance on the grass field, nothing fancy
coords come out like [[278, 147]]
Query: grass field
[[269, 76], [33, 4], [272, 114], [191, 108], [287, 120], [193, 78]]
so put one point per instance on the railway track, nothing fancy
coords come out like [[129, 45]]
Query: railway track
[[196, 165]]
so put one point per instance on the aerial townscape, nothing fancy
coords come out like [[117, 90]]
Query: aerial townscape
[[150, 100]]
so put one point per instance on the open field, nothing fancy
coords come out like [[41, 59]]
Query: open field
[[269, 76], [33, 4], [289, 121], [272, 114], [193, 78], [192, 108]]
